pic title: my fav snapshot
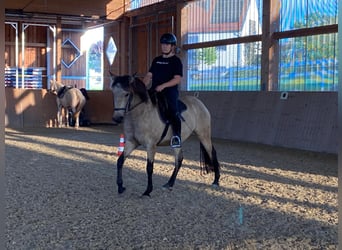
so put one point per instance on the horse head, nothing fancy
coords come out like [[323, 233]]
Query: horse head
[[54, 87], [126, 90]]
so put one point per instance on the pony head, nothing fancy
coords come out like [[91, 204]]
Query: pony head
[[127, 90], [54, 86], [130, 84]]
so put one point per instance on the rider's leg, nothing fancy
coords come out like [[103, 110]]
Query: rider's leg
[[176, 128], [173, 114]]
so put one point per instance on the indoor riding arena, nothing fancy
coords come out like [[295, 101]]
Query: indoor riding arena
[[266, 70]]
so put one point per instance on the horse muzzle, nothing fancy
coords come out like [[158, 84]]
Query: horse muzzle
[[117, 119]]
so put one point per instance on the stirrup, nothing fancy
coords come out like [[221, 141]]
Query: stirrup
[[175, 142]]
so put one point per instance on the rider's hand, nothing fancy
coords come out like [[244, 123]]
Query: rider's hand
[[160, 88]]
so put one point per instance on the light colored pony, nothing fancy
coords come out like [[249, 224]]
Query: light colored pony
[[143, 126], [69, 99]]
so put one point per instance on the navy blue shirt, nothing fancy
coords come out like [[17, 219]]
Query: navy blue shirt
[[164, 69]]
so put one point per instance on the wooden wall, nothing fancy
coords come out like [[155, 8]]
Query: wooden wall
[[305, 120], [38, 108]]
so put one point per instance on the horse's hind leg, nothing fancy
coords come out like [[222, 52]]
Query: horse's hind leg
[[178, 164], [66, 112], [210, 159], [216, 166], [77, 119]]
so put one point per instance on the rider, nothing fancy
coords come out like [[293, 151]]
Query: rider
[[166, 73]]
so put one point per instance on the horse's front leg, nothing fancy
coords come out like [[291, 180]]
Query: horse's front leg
[[119, 180], [129, 147], [149, 169], [178, 164]]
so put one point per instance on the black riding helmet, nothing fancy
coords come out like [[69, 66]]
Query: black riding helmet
[[168, 38]]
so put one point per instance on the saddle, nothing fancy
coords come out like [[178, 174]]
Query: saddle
[[63, 90], [162, 106]]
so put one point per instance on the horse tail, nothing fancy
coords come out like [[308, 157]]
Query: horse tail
[[207, 163], [85, 93]]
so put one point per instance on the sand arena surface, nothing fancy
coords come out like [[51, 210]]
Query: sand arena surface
[[61, 194]]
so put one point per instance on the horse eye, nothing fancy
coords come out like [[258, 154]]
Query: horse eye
[[127, 95]]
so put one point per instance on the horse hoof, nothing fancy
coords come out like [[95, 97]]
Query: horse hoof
[[145, 195], [167, 187], [121, 190], [215, 185]]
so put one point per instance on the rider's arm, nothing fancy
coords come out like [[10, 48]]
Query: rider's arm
[[147, 79], [174, 81]]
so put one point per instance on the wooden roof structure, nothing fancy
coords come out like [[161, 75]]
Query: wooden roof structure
[[100, 9]]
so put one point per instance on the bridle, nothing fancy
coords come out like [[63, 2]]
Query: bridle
[[128, 106]]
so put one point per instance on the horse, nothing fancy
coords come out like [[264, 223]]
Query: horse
[[69, 98], [143, 126]]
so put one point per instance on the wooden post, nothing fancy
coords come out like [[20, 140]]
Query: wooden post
[[2, 126], [270, 46], [181, 30], [59, 49]]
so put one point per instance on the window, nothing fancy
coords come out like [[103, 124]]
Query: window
[[92, 44], [307, 62], [223, 67]]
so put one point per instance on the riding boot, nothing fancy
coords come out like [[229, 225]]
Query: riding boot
[[176, 128]]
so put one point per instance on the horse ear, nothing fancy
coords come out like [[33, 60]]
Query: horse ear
[[131, 79], [112, 75], [113, 78]]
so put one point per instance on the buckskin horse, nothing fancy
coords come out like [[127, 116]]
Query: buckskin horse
[[142, 125], [70, 99]]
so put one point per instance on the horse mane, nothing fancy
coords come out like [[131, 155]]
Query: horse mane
[[57, 84], [132, 83], [139, 87]]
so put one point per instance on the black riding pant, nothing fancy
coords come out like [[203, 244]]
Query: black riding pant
[[171, 97]]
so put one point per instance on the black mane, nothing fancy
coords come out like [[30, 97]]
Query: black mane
[[137, 86], [123, 81]]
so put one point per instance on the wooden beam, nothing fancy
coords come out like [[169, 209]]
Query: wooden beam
[[157, 7], [37, 45], [333, 28], [245, 39]]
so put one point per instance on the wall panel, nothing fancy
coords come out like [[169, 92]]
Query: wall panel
[[304, 120]]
